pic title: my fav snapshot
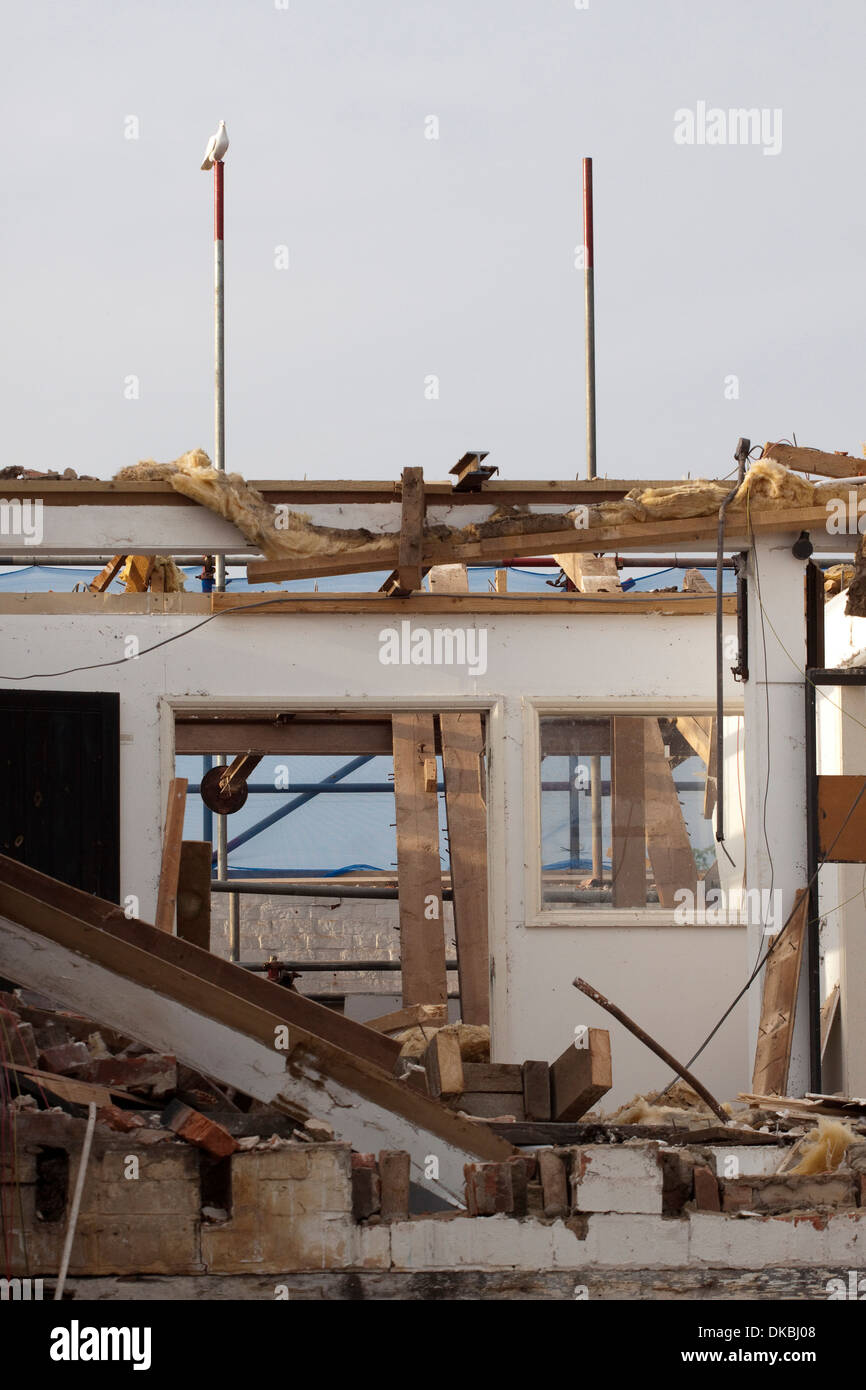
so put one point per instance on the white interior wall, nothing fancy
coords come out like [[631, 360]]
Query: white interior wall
[[675, 981]]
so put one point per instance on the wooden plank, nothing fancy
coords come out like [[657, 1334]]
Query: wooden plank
[[171, 842], [19, 884], [489, 1104], [448, 579], [415, 1015], [696, 583], [193, 892], [462, 737], [536, 1090], [841, 843], [674, 605], [444, 1064], [341, 737], [698, 732], [493, 1076], [534, 1134], [419, 875], [667, 839], [829, 1014], [591, 574], [779, 1003], [106, 575], [411, 530], [500, 581], [803, 460], [70, 1089], [138, 572], [628, 812], [581, 1076]]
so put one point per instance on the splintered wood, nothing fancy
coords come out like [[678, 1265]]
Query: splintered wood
[[778, 1006]]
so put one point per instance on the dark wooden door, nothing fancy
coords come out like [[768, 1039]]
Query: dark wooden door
[[59, 805]]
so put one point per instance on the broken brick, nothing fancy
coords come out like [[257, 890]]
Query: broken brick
[[394, 1175], [199, 1130], [64, 1060], [153, 1074], [489, 1188], [706, 1189], [120, 1120]]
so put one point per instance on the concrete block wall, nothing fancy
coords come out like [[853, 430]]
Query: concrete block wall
[[322, 929]]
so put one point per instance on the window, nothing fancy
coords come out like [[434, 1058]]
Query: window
[[627, 804]]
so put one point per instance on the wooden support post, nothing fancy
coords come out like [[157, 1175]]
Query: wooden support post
[[536, 1091], [591, 574], [419, 875], [466, 809], [411, 530], [193, 892], [581, 1076], [667, 839], [628, 812], [779, 1002], [500, 581], [170, 870]]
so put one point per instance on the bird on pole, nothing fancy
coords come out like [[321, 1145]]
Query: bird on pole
[[216, 147]]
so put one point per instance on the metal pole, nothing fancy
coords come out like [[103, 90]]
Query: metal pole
[[219, 343], [589, 300]]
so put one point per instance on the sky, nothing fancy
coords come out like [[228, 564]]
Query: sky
[[729, 281]]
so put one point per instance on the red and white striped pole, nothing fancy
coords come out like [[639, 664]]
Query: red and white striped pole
[[589, 299], [219, 342]]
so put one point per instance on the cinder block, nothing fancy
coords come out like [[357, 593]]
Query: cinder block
[[617, 1178]]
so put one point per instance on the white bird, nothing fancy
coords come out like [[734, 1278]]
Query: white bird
[[216, 147]]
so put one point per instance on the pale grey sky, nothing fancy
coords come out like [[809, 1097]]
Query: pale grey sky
[[411, 257]]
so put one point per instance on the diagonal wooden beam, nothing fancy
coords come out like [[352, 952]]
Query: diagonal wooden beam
[[171, 848], [668, 845]]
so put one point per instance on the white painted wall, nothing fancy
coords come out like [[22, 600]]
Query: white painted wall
[[675, 981]]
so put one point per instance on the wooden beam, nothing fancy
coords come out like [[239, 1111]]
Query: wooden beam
[[139, 570], [411, 530], [565, 605], [779, 1003], [500, 581], [591, 574], [829, 1014], [628, 813], [171, 843], [462, 738], [695, 583], [193, 892], [444, 1064], [106, 574], [536, 1091], [667, 839], [837, 795], [448, 579], [413, 1016], [803, 460], [581, 1076], [339, 737], [422, 934]]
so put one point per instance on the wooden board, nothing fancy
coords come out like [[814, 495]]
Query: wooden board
[[841, 843], [804, 460], [667, 839], [829, 1014], [581, 1076], [536, 1090], [323, 737], [414, 1015], [171, 842], [382, 605], [444, 1064], [411, 529], [419, 875], [628, 812], [779, 1002], [18, 884], [591, 574], [193, 892], [493, 1076], [462, 738]]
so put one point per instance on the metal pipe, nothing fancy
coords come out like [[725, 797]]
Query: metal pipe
[[369, 788], [76, 1201], [589, 304], [206, 812], [329, 966], [277, 888], [219, 342], [596, 792]]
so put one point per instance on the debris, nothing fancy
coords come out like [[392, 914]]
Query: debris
[[824, 1148], [199, 1130]]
